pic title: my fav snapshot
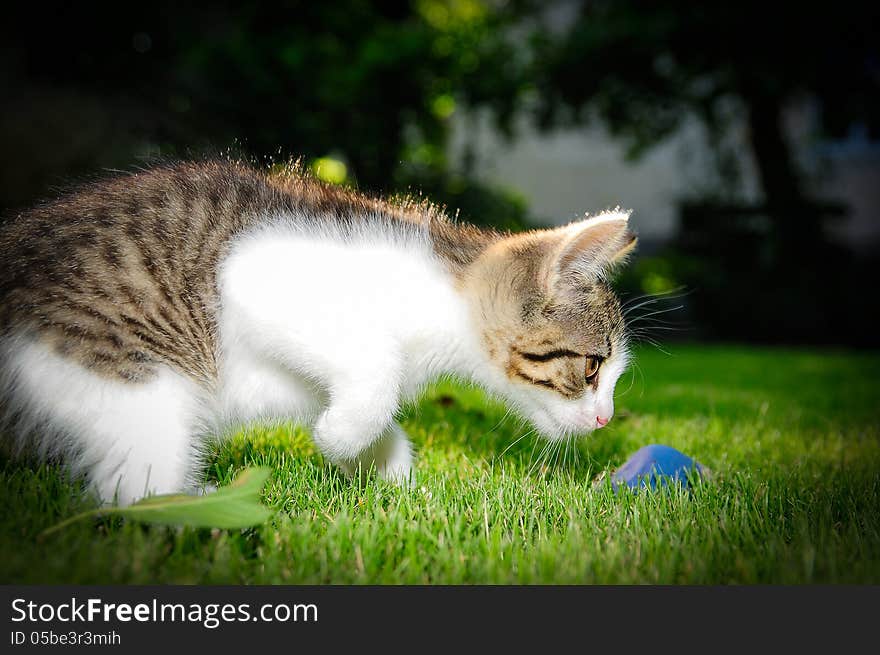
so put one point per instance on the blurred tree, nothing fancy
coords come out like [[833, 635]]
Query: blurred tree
[[762, 271], [364, 92], [370, 85], [644, 67]]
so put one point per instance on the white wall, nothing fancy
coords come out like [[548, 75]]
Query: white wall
[[567, 172]]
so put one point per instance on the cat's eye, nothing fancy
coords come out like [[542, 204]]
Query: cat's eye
[[592, 368]]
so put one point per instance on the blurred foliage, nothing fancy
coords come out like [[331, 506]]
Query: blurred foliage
[[655, 275], [467, 199], [763, 271], [645, 67], [358, 89], [750, 282], [367, 92], [374, 85]]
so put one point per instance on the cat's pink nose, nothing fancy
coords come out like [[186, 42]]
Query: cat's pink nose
[[602, 422]]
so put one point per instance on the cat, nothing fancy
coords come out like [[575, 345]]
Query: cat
[[142, 314]]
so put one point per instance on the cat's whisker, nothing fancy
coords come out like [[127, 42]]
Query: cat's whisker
[[578, 457], [542, 458], [652, 342], [650, 303], [632, 379], [532, 456], [654, 322], [649, 324], [651, 315], [516, 441], [507, 414], [640, 317], [657, 312], [665, 328], [550, 457], [553, 457], [679, 290], [672, 294], [565, 450], [642, 375]]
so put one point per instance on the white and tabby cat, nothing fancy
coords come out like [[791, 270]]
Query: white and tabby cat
[[140, 315]]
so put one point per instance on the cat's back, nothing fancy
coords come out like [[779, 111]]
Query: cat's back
[[119, 275], [122, 275]]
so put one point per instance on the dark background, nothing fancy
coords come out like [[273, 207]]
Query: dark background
[[376, 87]]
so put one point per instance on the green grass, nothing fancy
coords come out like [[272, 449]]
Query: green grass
[[793, 438]]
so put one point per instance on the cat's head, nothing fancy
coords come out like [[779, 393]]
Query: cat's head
[[550, 325]]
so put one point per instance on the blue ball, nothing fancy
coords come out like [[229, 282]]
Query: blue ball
[[656, 465]]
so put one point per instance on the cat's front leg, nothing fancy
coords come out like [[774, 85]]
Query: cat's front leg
[[360, 413], [391, 455]]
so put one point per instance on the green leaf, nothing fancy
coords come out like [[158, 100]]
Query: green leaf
[[235, 506]]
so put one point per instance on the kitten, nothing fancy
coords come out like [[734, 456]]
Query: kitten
[[142, 314]]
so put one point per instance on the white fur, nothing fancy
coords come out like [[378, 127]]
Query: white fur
[[348, 327], [330, 329], [130, 439], [607, 216]]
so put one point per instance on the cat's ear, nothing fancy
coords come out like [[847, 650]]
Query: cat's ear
[[591, 248]]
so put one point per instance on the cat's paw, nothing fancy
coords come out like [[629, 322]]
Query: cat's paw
[[338, 436], [396, 463], [402, 475]]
